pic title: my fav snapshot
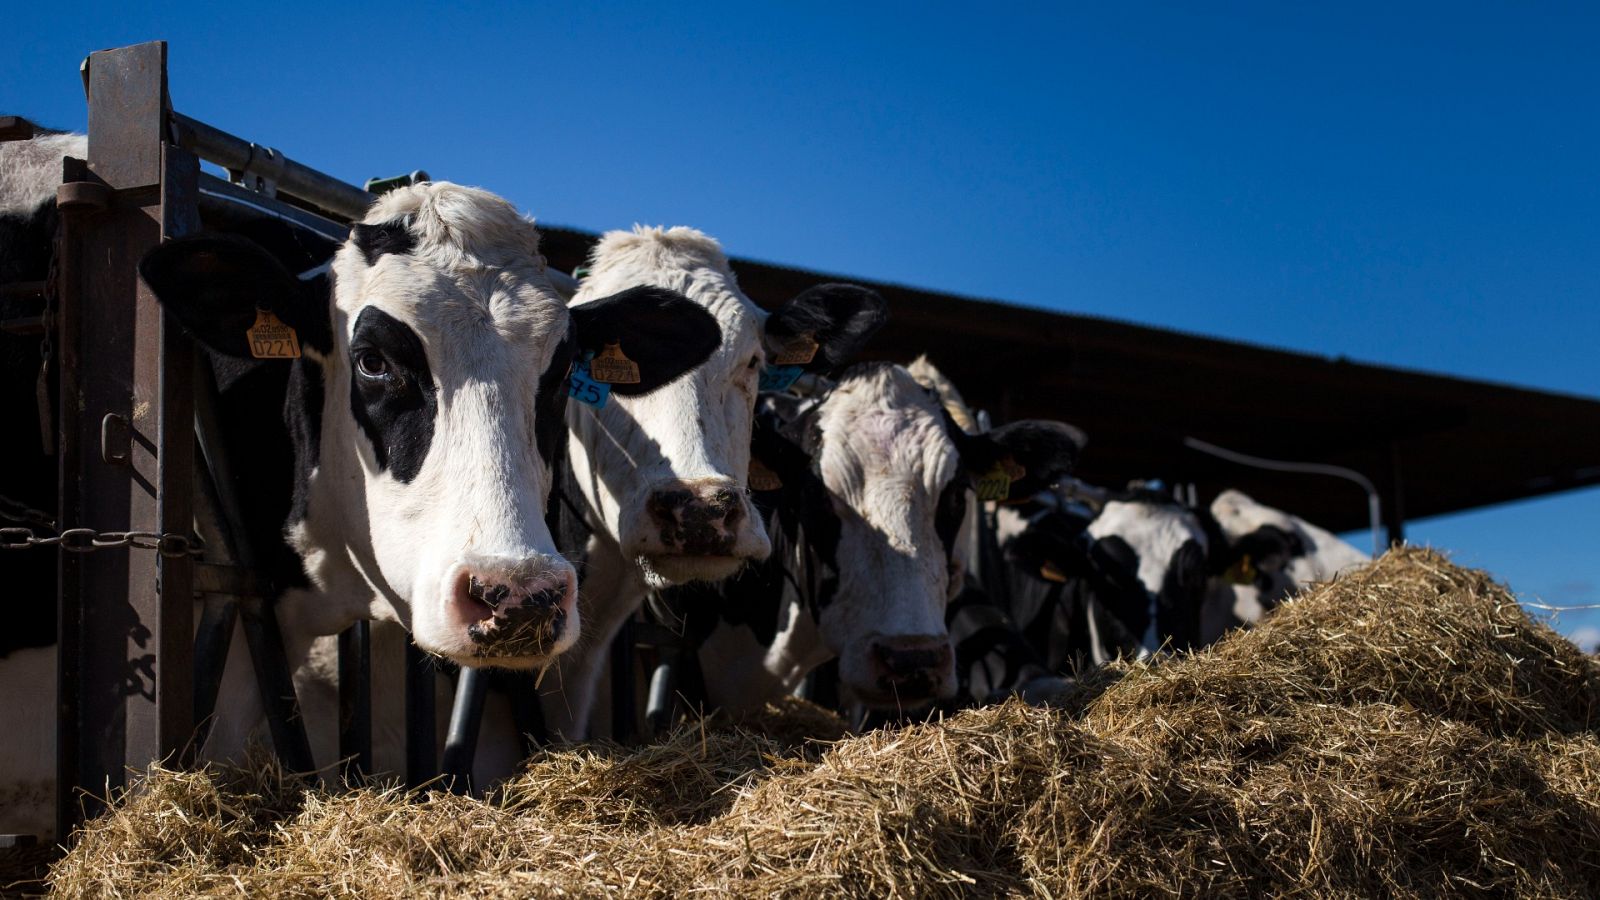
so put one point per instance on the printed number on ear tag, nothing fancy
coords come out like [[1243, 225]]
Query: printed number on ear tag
[[583, 388], [762, 478], [270, 338], [995, 484], [612, 366], [799, 351], [779, 378]]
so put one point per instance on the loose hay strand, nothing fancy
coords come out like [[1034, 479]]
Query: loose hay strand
[[1404, 731]]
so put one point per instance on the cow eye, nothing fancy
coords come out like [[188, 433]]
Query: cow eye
[[755, 361], [371, 364]]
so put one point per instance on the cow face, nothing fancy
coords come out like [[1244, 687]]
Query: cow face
[[439, 354], [1163, 547], [667, 473], [1271, 551], [881, 479]]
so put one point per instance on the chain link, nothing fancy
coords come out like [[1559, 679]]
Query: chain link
[[17, 511], [87, 540]]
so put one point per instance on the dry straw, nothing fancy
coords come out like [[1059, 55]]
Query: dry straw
[[1405, 731]]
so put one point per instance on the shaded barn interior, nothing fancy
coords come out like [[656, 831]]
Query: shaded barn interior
[[1431, 444]]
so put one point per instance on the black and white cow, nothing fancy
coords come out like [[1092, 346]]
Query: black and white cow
[[399, 468], [1272, 555], [869, 520], [661, 480], [29, 173]]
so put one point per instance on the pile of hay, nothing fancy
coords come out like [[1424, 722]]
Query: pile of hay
[[1405, 731]]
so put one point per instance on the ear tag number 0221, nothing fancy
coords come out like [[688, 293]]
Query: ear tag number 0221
[[582, 387], [612, 366], [270, 338]]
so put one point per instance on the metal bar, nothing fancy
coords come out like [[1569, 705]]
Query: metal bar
[[274, 680], [217, 195], [1394, 520], [526, 710], [355, 700], [69, 612], [466, 720], [111, 367], [212, 641], [422, 727], [293, 178], [174, 414], [16, 128], [624, 706], [660, 706], [23, 325]]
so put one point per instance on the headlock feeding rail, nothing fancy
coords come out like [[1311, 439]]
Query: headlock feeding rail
[[132, 410], [136, 403]]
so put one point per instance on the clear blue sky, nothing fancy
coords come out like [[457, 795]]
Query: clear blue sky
[[1418, 186]]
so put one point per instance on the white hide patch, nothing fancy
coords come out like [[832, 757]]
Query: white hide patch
[[1155, 531], [475, 291], [30, 171], [695, 429]]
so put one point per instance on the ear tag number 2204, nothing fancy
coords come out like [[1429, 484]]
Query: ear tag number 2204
[[582, 387]]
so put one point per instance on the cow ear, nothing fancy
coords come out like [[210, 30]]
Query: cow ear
[[838, 318], [1052, 547], [664, 333], [1269, 548], [1034, 454], [214, 285]]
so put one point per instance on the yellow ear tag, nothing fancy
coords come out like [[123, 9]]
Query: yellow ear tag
[[1242, 572], [612, 366], [762, 478], [1049, 572], [270, 338], [801, 349], [994, 484]]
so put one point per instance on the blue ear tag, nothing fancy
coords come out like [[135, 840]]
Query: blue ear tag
[[778, 378], [584, 389]]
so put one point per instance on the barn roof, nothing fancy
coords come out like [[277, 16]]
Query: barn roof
[[1448, 444]]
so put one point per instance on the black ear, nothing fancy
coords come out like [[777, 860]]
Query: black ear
[[839, 317], [1044, 451], [214, 285], [1269, 547], [663, 332], [1053, 545]]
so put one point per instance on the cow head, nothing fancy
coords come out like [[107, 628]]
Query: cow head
[[667, 473], [436, 356], [1272, 551], [1142, 558], [879, 477]]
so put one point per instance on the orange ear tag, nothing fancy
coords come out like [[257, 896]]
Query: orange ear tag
[[612, 366], [801, 350], [270, 338], [762, 478], [1242, 572], [1049, 572], [994, 484]]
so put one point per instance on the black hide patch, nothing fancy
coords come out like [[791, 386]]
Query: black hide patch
[[396, 410], [385, 237], [841, 318], [662, 331], [1182, 591], [213, 284], [550, 407]]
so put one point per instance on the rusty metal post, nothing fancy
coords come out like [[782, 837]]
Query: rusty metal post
[[126, 438]]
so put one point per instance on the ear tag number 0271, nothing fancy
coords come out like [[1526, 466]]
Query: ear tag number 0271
[[779, 378], [584, 388], [612, 366], [270, 338]]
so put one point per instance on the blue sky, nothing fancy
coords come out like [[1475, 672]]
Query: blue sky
[[1415, 186]]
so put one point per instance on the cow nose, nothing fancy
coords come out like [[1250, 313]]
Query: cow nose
[[911, 666], [699, 517], [513, 613]]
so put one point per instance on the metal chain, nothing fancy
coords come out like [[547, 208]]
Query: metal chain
[[87, 540], [17, 511]]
